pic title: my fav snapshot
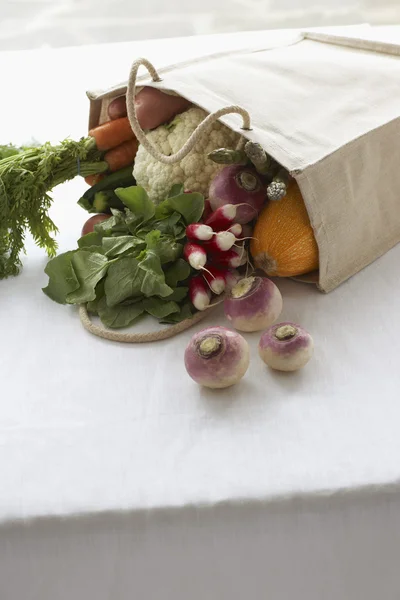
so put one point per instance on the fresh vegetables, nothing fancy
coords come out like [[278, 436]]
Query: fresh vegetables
[[131, 263], [117, 108], [101, 196], [284, 242], [121, 156], [217, 357], [195, 171], [254, 303], [199, 293], [88, 227], [195, 255], [286, 347], [220, 242], [26, 179], [222, 218], [154, 107], [241, 186], [199, 231], [216, 279], [112, 133], [231, 259], [93, 179]]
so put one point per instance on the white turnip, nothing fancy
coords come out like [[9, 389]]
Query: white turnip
[[240, 186], [286, 347], [217, 357], [254, 303]]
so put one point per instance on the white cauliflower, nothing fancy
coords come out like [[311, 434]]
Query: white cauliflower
[[195, 171]]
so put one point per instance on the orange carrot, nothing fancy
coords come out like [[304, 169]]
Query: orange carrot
[[93, 179], [121, 156], [112, 133]]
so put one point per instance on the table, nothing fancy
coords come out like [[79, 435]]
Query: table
[[120, 478]]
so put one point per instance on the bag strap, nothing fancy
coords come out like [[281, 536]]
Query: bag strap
[[138, 338], [197, 133]]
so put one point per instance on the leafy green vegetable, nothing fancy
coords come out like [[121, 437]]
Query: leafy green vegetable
[[136, 199], [123, 280], [176, 190], [159, 308], [90, 239], [179, 271], [119, 316], [62, 277], [115, 246], [154, 280], [190, 206], [131, 263], [178, 294], [89, 268]]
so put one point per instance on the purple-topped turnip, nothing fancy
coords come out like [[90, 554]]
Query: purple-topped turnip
[[238, 185], [254, 303], [217, 357], [286, 347]]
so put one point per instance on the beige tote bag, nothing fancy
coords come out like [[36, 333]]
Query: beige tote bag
[[327, 108]]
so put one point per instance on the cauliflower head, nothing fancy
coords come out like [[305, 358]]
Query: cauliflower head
[[195, 171]]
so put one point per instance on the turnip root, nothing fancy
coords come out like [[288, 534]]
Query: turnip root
[[238, 185], [217, 357], [254, 303], [286, 347]]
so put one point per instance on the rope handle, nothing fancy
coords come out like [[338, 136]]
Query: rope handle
[[138, 338], [197, 133]]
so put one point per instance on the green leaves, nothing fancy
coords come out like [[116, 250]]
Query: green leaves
[[122, 281], [62, 277], [119, 316], [89, 268], [131, 264], [179, 271], [136, 199], [153, 283], [115, 246]]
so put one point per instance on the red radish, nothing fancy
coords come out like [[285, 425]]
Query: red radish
[[217, 357], [254, 303], [216, 279], [198, 231], [195, 255], [286, 347], [221, 242], [231, 258], [199, 293], [238, 185], [236, 229], [88, 226], [222, 218]]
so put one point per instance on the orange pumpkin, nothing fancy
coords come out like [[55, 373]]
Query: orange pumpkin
[[284, 244]]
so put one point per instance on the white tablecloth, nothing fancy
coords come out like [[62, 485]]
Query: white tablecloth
[[120, 478]]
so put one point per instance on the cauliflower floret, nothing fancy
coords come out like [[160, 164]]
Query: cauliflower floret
[[195, 171]]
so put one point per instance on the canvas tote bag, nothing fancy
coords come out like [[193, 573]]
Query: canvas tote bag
[[327, 108]]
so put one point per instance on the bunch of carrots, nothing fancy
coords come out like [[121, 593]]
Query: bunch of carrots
[[116, 138]]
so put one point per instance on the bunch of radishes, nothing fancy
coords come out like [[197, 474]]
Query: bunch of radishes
[[213, 250]]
